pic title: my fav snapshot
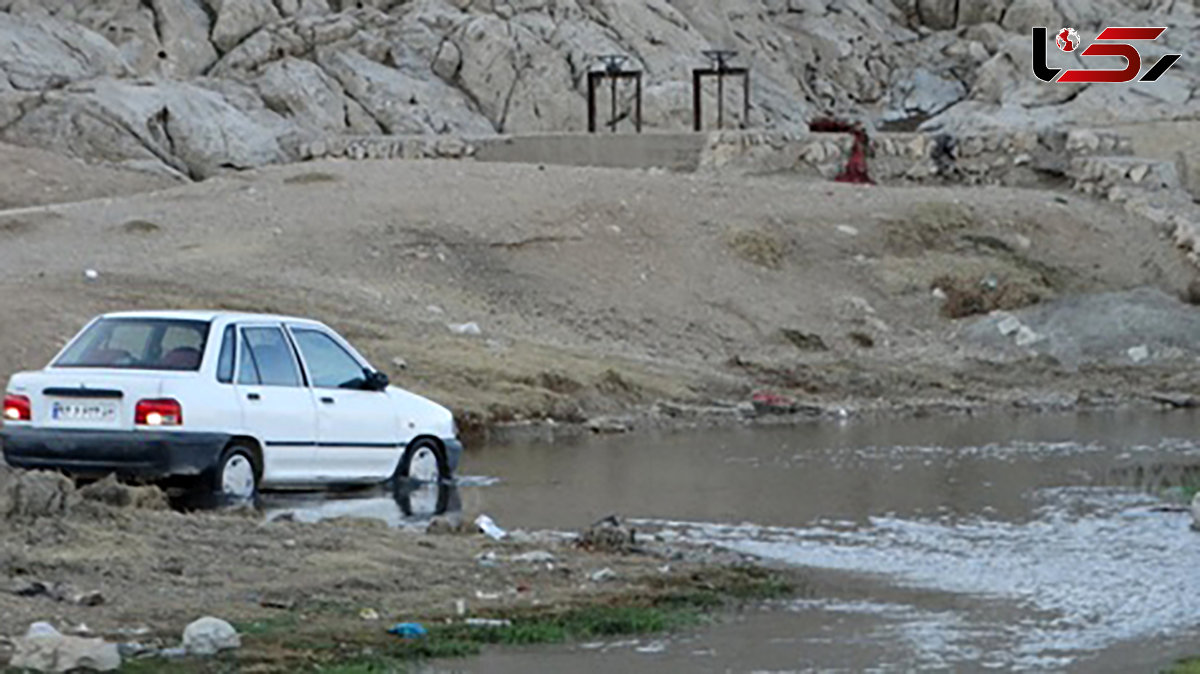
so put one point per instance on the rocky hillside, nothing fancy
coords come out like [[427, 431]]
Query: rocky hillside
[[193, 86]]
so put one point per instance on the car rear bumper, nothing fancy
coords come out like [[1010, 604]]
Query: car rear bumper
[[454, 450], [144, 454]]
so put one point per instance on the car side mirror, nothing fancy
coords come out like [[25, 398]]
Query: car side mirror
[[373, 380]]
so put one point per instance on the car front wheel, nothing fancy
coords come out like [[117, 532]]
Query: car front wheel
[[423, 461]]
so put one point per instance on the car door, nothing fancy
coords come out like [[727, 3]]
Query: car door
[[277, 407], [356, 428]]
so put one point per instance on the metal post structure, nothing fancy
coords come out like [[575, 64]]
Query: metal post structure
[[720, 69], [614, 71]]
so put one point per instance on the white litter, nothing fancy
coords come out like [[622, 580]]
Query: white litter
[[1138, 353], [489, 527], [465, 328], [1026, 337], [487, 622], [1008, 325]]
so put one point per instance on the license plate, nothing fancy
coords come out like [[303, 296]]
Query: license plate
[[99, 411]]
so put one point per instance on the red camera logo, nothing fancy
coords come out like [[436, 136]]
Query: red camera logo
[[1112, 41]]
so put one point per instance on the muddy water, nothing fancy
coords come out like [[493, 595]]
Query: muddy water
[[1010, 543]]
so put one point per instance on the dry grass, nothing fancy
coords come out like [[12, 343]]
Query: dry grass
[[758, 247], [967, 296]]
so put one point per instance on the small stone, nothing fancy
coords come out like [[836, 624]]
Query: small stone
[[368, 614], [608, 425], [1138, 353], [847, 230], [208, 636], [1138, 173], [93, 598], [399, 363], [1023, 242], [471, 329]]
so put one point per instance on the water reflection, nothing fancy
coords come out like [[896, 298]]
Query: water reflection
[[404, 504]]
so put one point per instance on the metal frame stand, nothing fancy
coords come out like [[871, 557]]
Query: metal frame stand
[[720, 69], [614, 72]]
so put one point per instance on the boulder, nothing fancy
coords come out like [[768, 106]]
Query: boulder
[[209, 636], [191, 129], [42, 52], [183, 28], [304, 94]]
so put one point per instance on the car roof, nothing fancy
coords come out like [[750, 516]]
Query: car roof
[[206, 315]]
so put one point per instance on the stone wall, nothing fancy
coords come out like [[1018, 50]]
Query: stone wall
[[1097, 163]]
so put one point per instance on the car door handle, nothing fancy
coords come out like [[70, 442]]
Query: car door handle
[[253, 396], [327, 400]]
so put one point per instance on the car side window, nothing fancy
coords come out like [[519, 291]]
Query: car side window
[[271, 359], [329, 365], [225, 360]]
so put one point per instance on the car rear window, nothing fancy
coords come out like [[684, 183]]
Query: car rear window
[[138, 344]]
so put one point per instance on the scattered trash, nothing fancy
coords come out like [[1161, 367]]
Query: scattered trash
[[1138, 353], [609, 425], [773, 403], [847, 230], [208, 636], [435, 309], [408, 630], [603, 575], [41, 629], [938, 294], [399, 363], [1027, 337], [534, 557], [489, 527], [93, 598], [487, 622], [44, 649], [173, 653], [460, 607], [486, 596], [652, 647], [465, 328], [487, 559], [368, 614], [1008, 325], [91, 274]]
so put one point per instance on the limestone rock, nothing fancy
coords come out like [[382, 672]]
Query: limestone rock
[[238, 18], [44, 52], [208, 636]]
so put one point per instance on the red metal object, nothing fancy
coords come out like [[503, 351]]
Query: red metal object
[[855, 170]]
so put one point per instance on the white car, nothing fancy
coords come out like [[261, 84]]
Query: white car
[[235, 402]]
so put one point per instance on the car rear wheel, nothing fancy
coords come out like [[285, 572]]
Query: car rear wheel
[[424, 461], [237, 474]]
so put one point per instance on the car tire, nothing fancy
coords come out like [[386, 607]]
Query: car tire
[[423, 461], [237, 473]]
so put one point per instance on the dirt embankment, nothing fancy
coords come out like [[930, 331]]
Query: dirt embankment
[[113, 562], [600, 292]]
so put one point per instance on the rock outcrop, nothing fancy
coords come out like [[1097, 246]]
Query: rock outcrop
[[195, 86]]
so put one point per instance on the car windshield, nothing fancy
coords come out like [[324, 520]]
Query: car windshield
[[138, 344]]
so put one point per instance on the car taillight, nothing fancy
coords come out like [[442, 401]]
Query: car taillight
[[161, 412], [16, 408]]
